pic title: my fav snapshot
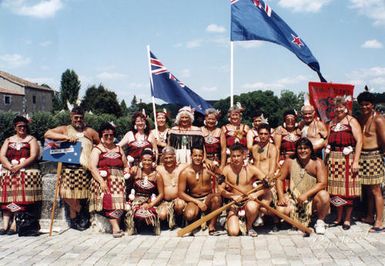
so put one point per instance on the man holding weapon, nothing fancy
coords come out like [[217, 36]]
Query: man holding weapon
[[308, 181], [239, 178], [197, 187]]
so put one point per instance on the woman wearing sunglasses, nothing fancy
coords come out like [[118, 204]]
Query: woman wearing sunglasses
[[108, 167], [20, 179]]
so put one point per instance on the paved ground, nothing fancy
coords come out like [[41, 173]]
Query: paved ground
[[353, 247]]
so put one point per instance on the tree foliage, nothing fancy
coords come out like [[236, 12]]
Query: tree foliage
[[69, 88], [99, 100]]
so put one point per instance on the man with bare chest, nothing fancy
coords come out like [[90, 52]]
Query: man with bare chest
[[307, 191], [170, 170], [243, 177], [76, 179], [265, 153], [313, 129], [371, 160], [197, 188]]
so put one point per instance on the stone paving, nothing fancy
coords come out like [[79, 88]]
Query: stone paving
[[336, 247]]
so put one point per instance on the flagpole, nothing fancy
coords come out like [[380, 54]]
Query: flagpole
[[231, 73], [152, 95]]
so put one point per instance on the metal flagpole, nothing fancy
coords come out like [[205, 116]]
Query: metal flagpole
[[231, 73], [152, 94]]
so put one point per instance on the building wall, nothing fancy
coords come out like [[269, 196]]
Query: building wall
[[43, 100], [16, 103]]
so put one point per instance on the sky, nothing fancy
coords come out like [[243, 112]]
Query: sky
[[104, 42]]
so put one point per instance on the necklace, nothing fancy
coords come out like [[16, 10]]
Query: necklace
[[210, 135], [162, 135], [199, 174]]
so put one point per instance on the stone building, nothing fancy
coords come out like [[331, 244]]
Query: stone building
[[22, 96]]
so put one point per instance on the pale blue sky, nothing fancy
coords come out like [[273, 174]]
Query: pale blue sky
[[105, 42]]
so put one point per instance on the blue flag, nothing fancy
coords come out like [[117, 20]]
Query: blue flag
[[171, 90], [255, 20]]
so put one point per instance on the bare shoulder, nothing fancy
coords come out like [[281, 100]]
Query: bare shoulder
[[60, 129], [226, 169], [379, 119], [287, 163], [90, 130], [160, 168]]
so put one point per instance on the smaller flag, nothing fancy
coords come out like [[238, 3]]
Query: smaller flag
[[171, 90]]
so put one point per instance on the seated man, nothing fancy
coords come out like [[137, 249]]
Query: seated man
[[169, 170], [243, 177], [308, 181], [197, 187]]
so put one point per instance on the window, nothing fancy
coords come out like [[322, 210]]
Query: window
[[34, 99], [7, 99]]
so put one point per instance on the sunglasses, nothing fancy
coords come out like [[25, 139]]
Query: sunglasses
[[108, 135], [21, 126]]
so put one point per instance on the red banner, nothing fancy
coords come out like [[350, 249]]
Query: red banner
[[322, 96]]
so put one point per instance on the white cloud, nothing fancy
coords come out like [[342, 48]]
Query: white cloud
[[373, 77], [277, 84], [249, 44], [42, 9], [194, 43], [304, 5], [13, 60], [372, 44], [111, 76], [215, 28], [373, 9], [45, 43]]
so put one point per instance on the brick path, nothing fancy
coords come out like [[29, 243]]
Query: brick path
[[336, 247]]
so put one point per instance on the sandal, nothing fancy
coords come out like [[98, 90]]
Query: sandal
[[212, 232], [376, 229], [118, 234], [252, 233], [11, 232], [335, 224], [346, 226]]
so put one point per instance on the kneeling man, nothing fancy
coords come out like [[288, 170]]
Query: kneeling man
[[308, 181], [197, 187], [242, 176]]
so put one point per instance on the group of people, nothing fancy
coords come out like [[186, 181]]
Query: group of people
[[175, 175]]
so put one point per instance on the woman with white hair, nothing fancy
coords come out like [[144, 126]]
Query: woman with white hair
[[184, 135], [212, 135]]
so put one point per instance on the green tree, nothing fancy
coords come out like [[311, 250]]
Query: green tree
[[124, 108], [69, 87], [100, 100], [134, 106]]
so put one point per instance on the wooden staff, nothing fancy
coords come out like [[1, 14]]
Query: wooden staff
[[214, 213], [291, 221], [57, 185]]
